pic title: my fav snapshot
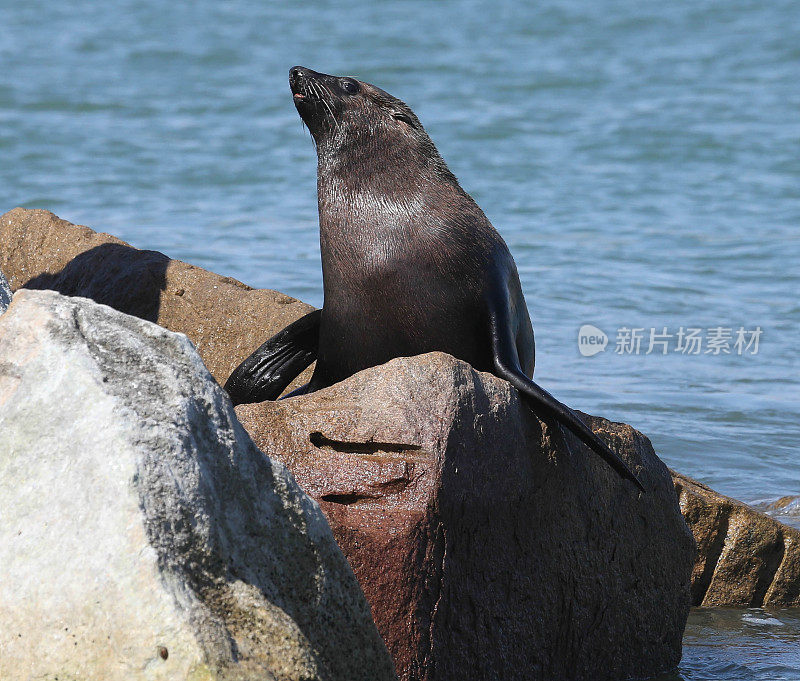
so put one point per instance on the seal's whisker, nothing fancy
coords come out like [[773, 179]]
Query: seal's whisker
[[320, 90], [324, 101], [317, 89], [303, 123], [314, 87]]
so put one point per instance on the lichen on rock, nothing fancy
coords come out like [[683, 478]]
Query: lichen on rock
[[143, 535]]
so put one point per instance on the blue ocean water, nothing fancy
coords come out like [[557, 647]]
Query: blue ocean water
[[642, 160]]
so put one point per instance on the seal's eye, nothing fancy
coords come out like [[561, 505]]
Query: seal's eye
[[350, 86]]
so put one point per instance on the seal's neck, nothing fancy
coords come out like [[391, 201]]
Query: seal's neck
[[365, 157], [381, 204], [378, 201]]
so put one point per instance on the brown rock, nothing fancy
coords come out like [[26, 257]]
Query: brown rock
[[744, 558], [785, 509], [225, 319], [782, 503], [486, 548]]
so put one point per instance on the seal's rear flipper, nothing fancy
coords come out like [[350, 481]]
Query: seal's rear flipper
[[265, 374], [545, 404], [506, 363]]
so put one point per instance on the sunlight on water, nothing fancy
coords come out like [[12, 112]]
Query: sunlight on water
[[734, 645]]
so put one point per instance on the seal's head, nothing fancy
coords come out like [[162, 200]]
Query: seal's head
[[326, 103], [348, 118]]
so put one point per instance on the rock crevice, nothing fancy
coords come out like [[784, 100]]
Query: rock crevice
[[745, 557]]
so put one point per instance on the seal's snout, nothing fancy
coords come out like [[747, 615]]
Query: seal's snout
[[298, 83], [299, 77], [313, 98], [295, 80], [295, 76]]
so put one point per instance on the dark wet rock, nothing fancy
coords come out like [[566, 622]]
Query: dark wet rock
[[487, 547], [745, 558], [225, 319], [783, 503], [143, 536]]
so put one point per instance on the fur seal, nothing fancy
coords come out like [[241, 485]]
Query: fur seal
[[410, 263]]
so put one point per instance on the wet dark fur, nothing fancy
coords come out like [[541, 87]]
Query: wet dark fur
[[407, 254], [410, 263]]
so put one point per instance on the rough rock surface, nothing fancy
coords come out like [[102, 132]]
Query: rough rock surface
[[142, 533], [487, 548], [5, 294], [225, 319], [744, 558]]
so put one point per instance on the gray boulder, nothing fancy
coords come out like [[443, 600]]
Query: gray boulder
[[142, 533], [5, 294]]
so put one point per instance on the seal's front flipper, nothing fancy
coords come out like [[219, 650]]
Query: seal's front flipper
[[506, 363], [265, 374]]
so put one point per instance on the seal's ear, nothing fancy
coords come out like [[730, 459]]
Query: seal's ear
[[402, 116]]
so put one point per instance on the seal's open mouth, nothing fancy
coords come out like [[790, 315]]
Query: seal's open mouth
[[307, 94], [303, 91], [313, 98], [307, 101]]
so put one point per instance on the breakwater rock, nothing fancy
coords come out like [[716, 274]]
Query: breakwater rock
[[142, 533], [745, 558], [488, 546], [227, 320]]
